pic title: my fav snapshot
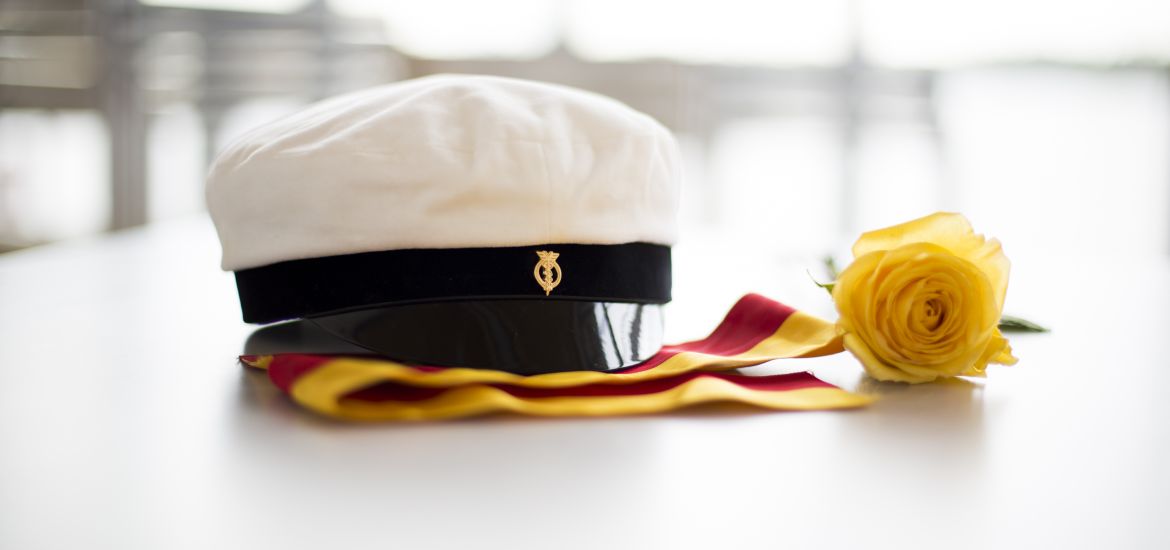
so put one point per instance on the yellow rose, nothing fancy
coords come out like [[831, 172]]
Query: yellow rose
[[922, 300]]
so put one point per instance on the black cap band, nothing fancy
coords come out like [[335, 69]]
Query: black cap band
[[633, 272]]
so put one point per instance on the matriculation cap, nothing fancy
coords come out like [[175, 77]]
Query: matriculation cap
[[466, 221]]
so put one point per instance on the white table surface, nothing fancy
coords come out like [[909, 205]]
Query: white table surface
[[125, 422]]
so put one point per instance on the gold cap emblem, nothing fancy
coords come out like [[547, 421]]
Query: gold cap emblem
[[547, 272]]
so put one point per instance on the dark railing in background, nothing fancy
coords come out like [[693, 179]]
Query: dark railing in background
[[124, 59]]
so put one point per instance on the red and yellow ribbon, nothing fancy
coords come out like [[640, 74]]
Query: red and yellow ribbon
[[756, 330]]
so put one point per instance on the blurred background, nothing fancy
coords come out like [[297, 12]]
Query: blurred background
[[1046, 121]]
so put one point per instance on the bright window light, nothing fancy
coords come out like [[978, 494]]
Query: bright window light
[[727, 31], [449, 29], [932, 33]]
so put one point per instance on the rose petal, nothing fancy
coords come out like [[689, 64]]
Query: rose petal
[[875, 367]]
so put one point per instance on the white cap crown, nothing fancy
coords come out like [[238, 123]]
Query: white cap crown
[[445, 162]]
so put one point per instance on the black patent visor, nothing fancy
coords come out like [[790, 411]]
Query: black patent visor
[[520, 336]]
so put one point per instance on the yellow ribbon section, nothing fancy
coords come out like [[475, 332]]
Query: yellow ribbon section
[[479, 399]]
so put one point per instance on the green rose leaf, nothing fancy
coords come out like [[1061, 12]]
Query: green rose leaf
[[1008, 323]]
